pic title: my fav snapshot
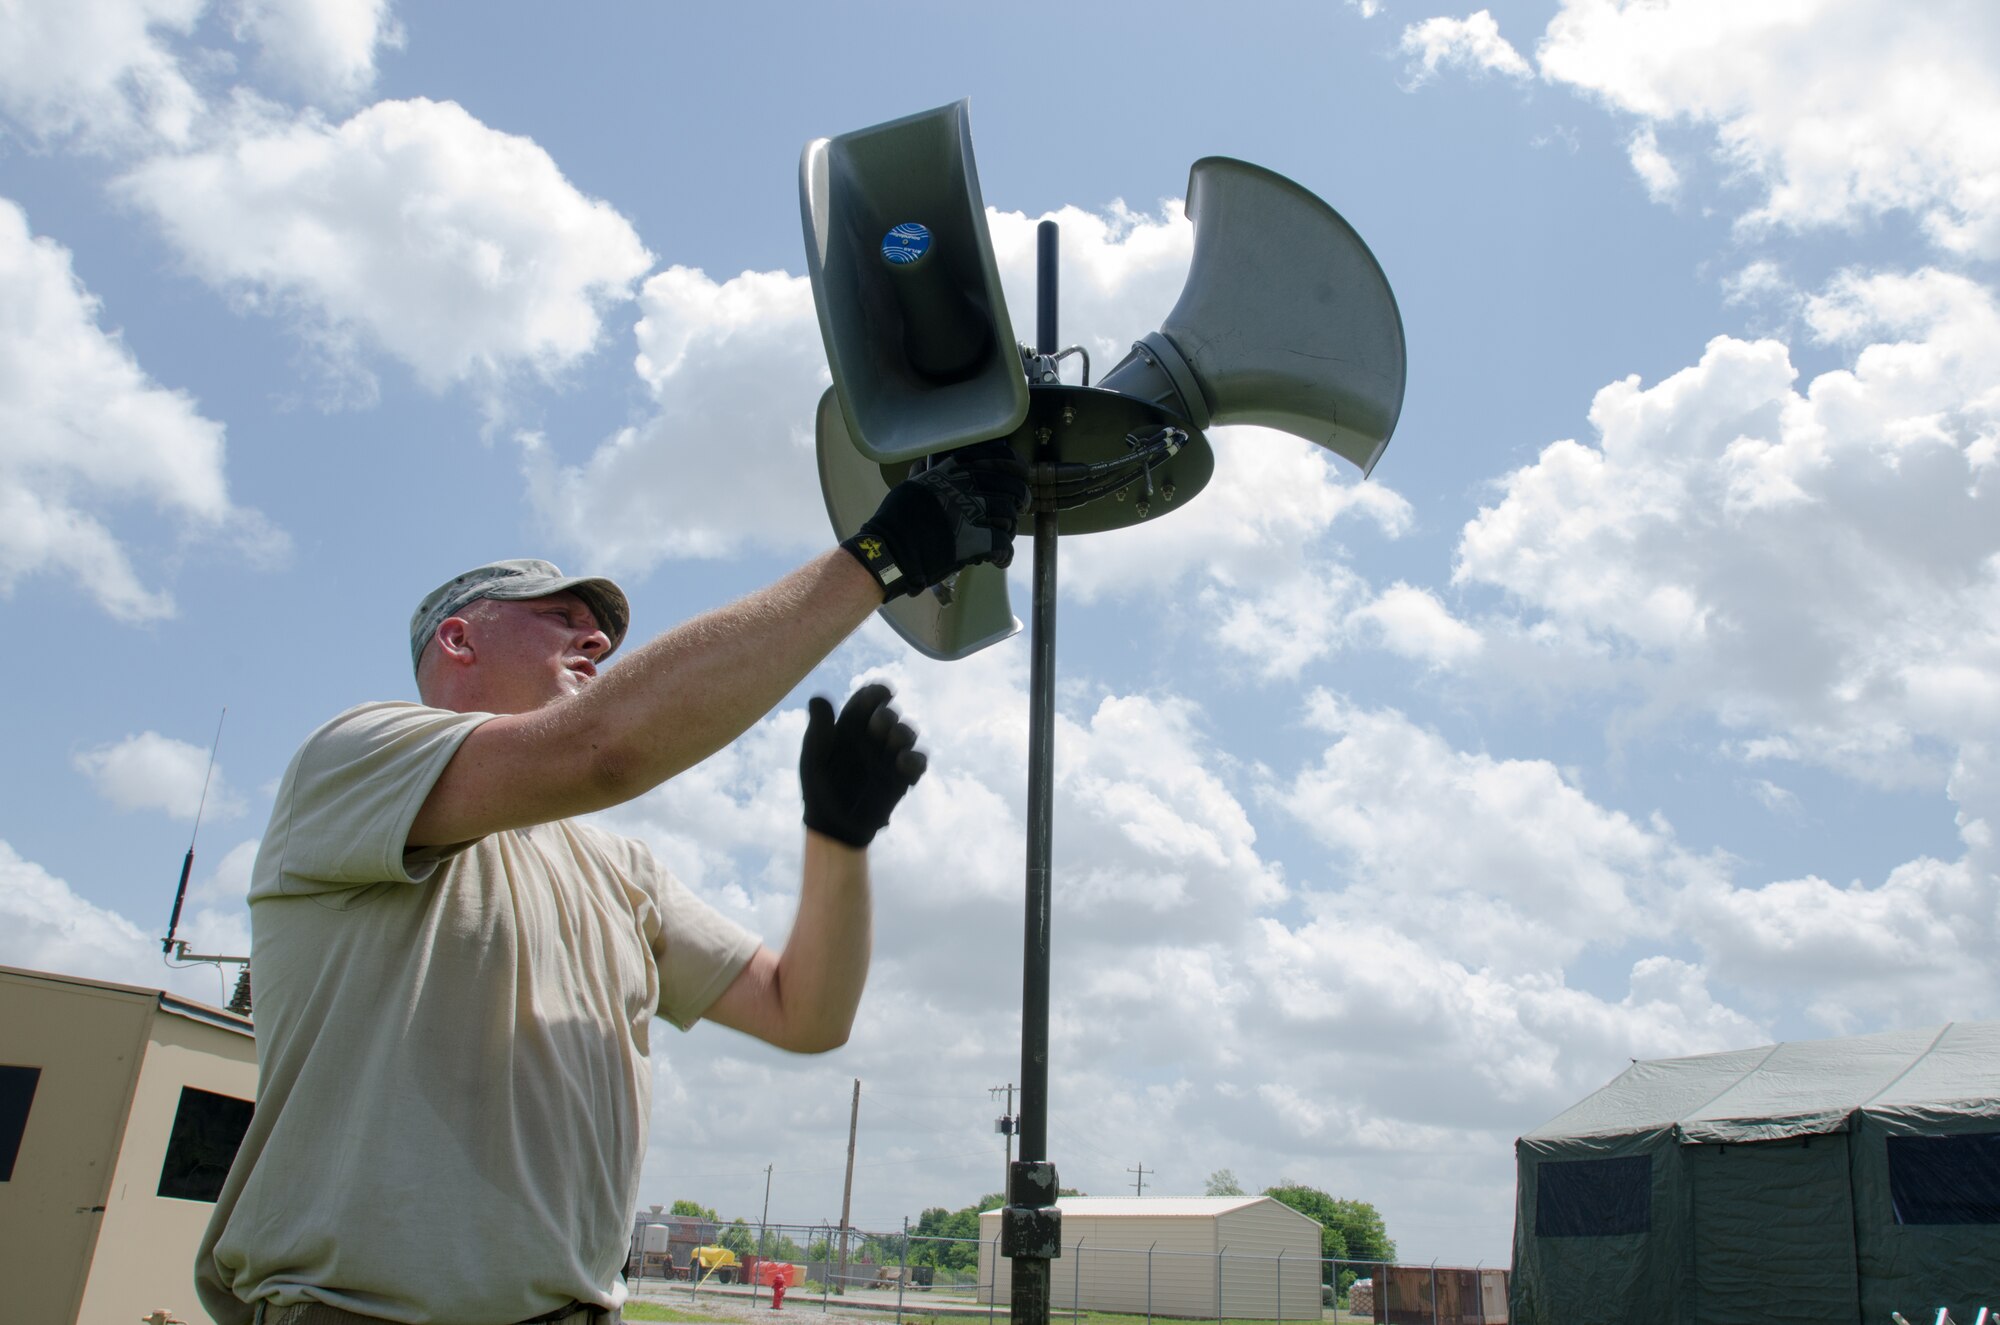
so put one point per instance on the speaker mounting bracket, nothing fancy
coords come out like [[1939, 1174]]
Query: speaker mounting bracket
[[1081, 425]]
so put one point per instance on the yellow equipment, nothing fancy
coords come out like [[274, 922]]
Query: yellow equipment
[[718, 1261]]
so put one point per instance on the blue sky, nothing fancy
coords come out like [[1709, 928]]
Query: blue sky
[[1642, 704]]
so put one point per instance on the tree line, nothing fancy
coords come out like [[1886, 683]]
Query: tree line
[[1350, 1230]]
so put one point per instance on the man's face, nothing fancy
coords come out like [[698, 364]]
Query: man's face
[[534, 651]]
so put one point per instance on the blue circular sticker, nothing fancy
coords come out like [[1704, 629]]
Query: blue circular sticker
[[906, 243]]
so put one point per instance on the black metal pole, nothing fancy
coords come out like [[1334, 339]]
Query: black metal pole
[[1041, 761], [1031, 1187]]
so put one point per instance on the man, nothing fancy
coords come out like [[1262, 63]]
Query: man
[[456, 979]]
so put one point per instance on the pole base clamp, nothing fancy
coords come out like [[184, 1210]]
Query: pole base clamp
[[1031, 1226]]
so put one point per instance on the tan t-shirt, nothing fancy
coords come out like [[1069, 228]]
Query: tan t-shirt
[[453, 1087]]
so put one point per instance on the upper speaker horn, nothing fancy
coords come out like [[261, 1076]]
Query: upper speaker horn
[[1286, 320], [916, 328]]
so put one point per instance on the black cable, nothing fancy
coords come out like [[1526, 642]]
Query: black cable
[[1070, 484]]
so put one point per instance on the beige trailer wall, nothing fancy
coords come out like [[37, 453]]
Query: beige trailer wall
[[89, 1240], [145, 1251], [88, 1042], [1174, 1258]]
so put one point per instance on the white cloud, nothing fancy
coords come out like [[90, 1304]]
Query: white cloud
[[1498, 911], [1530, 874], [154, 772], [1821, 566], [1838, 109], [1655, 170], [1774, 797], [229, 885], [1908, 950], [324, 48], [1413, 623], [1532, 1043], [1473, 43], [49, 928], [1762, 283], [130, 76], [100, 71], [726, 461], [411, 228], [1122, 272], [84, 432]]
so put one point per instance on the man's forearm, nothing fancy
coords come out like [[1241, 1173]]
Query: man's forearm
[[804, 999], [825, 962], [689, 692]]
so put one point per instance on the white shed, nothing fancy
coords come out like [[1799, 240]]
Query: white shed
[[1160, 1255]]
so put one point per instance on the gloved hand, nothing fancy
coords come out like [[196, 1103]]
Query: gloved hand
[[853, 770], [959, 511]]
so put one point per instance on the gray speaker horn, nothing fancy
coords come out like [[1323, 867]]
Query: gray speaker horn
[[916, 328], [974, 610], [1285, 321]]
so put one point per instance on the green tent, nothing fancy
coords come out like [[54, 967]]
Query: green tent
[[1823, 1181]]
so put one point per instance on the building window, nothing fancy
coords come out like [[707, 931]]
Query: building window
[[208, 1128], [17, 1092], [1945, 1179], [1594, 1198]]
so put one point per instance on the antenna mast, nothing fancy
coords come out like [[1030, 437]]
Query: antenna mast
[[177, 949], [187, 862]]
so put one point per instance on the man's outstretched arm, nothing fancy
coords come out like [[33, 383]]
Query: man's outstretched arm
[[669, 705], [693, 690]]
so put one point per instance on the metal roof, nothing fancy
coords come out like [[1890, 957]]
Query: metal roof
[[1160, 1207], [172, 1004]]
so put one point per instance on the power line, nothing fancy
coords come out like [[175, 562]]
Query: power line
[[1141, 1183]]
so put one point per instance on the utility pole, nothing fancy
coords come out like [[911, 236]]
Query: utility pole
[[1141, 1183], [847, 1193], [1005, 1124], [763, 1226]]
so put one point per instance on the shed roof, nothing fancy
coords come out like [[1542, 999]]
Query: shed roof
[[169, 1003], [1810, 1086]]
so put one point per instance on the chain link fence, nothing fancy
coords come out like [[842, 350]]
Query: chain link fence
[[906, 1274]]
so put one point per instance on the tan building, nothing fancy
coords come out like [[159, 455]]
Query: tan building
[[1246, 1257], [120, 1111]]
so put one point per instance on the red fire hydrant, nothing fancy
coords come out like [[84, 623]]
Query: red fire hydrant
[[778, 1293]]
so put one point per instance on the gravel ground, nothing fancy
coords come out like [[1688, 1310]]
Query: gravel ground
[[800, 1308]]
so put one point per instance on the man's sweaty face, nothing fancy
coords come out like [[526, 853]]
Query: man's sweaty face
[[537, 650]]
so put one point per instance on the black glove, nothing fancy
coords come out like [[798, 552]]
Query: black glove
[[957, 512], [853, 770]]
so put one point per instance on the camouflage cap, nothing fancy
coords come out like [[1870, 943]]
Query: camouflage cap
[[517, 579]]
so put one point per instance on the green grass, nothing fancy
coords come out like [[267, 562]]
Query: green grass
[[1331, 1316], [654, 1311]]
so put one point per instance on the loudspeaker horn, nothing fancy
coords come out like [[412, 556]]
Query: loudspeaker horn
[[910, 307], [1286, 320], [974, 610]]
